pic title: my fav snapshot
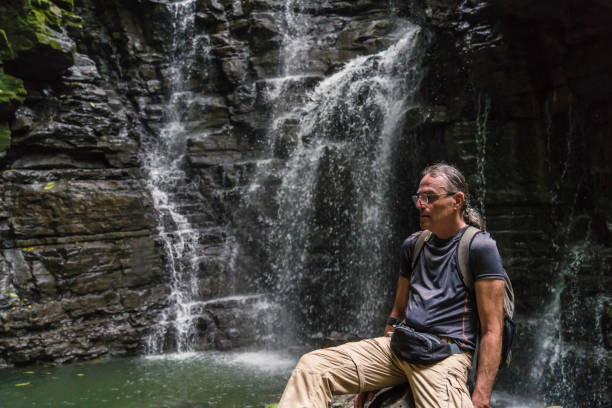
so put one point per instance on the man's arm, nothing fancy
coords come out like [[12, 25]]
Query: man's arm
[[401, 300], [398, 311], [490, 301]]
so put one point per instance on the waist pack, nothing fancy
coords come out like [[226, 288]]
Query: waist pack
[[420, 348]]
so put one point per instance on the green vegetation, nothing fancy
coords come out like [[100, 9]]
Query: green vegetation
[[71, 20], [6, 51], [11, 90], [30, 26], [35, 24], [5, 137]]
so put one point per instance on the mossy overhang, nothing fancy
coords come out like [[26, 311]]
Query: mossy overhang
[[41, 49]]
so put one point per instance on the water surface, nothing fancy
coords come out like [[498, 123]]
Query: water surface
[[187, 380]]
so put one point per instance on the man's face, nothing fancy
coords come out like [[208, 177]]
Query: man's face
[[440, 211]]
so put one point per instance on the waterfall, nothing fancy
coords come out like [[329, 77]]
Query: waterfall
[[329, 147], [163, 161], [330, 239], [481, 149], [295, 43], [572, 348], [549, 351]]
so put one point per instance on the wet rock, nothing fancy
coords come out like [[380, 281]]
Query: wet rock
[[23, 120], [142, 299], [46, 314], [44, 281], [236, 70], [264, 29], [20, 272], [73, 208]]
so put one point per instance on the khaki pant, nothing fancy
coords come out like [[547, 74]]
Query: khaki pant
[[370, 365]]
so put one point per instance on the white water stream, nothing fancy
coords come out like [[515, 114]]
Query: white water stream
[[337, 174], [163, 162]]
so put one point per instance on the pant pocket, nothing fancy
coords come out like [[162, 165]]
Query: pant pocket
[[458, 395]]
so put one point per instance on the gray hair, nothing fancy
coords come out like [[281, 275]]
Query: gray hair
[[455, 182]]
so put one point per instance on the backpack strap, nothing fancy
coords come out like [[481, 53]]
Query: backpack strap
[[463, 257], [463, 265], [423, 238]]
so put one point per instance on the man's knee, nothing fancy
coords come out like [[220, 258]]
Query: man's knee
[[328, 360], [312, 361]]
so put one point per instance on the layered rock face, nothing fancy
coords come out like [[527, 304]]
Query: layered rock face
[[84, 269], [80, 267], [512, 94]]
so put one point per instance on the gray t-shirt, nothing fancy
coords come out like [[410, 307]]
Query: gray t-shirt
[[439, 302]]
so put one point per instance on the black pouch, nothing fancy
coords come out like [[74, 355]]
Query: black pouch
[[420, 348]]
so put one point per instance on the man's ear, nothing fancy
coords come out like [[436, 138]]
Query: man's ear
[[459, 199]]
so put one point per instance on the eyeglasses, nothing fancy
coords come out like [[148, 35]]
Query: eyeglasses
[[428, 198]]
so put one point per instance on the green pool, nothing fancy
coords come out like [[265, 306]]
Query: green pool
[[210, 379]]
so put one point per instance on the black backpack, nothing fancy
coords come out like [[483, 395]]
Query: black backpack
[[463, 263]]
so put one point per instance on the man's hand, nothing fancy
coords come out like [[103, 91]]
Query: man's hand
[[480, 401], [362, 398]]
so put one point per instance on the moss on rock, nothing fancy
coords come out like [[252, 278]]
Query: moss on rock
[[28, 28], [5, 137], [50, 16], [12, 92], [32, 24], [71, 20], [35, 31], [6, 51]]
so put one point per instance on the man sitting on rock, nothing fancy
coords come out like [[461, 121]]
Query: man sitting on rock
[[432, 299]]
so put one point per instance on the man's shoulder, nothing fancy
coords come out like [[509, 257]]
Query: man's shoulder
[[485, 260], [411, 240], [483, 241]]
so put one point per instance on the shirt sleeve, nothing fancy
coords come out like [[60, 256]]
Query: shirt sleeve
[[406, 255], [485, 261]]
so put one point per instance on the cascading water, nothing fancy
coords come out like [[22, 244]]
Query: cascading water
[[551, 349], [163, 158], [330, 240], [572, 352], [295, 40], [481, 148]]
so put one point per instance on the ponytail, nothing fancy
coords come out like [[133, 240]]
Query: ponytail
[[471, 216]]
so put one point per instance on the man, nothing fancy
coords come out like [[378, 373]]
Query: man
[[431, 299]]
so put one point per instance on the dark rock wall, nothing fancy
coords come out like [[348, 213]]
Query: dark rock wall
[[517, 101], [515, 94], [80, 269]]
